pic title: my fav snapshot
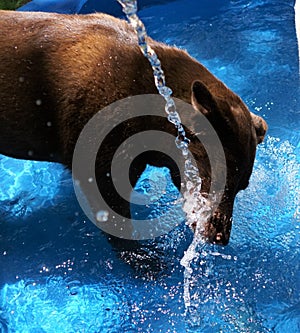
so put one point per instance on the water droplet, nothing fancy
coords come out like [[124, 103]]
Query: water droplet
[[102, 216]]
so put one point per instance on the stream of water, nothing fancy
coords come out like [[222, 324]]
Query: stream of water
[[196, 207]]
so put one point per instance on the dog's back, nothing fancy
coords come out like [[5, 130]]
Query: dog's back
[[46, 61]]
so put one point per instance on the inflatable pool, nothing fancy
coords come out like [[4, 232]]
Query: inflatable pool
[[59, 273]]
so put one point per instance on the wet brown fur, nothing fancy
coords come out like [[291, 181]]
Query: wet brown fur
[[57, 71]]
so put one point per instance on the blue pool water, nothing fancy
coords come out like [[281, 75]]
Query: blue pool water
[[59, 273]]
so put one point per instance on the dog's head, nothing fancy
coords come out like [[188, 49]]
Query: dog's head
[[239, 131]]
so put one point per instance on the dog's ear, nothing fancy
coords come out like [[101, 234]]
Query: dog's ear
[[202, 99], [260, 126]]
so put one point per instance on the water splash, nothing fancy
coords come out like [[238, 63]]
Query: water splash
[[195, 206]]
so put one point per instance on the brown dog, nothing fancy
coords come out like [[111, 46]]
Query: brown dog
[[57, 71]]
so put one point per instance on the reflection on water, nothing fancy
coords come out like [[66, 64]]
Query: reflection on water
[[62, 300]]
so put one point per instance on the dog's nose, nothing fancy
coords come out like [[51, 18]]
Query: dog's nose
[[219, 239], [216, 230]]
